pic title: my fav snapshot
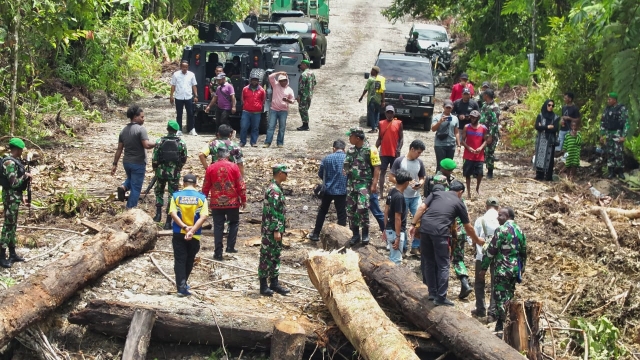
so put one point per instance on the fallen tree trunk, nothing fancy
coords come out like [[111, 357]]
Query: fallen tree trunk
[[631, 214], [399, 288], [29, 301], [355, 311], [196, 325], [137, 344]]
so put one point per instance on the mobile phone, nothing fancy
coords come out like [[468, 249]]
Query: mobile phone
[[449, 118]]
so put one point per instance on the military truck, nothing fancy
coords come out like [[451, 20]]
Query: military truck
[[316, 9], [409, 85], [221, 45]]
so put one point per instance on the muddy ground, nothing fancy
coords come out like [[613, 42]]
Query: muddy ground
[[572, 260]]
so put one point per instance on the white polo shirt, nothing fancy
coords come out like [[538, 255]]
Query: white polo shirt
[[490, 223], [183, 84]]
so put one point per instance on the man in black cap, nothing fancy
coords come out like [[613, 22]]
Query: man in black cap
[[463, 107], [437, 217], [485, 86]]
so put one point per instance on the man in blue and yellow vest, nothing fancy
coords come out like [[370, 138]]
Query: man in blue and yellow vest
[[188, 210]]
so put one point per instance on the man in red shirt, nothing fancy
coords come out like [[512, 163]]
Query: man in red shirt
[[474, 139], [227, 193], [253, 97], [456, 90], [390, 140]]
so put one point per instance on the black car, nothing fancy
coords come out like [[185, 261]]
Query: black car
[[313, 34], [409, 85], [285, 44]]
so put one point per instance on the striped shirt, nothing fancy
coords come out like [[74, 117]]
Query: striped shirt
[[572, 145], [335, 180]]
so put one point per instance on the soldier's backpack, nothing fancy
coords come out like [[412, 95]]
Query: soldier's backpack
[[428, 186], [4, 180], [168, 151]]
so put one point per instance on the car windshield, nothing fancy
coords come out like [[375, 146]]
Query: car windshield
[[269, 29], [286, 46], [297, 27], [289, 59], [431, 35], [402, 70]]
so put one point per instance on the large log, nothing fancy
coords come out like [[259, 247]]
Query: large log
[[135, 348], [196, 325], [631, 214], [132, 232], [522, 328], [355, 311], [398, 287], [287, 341]]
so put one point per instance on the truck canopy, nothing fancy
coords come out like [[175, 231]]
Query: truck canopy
[[318, 9]]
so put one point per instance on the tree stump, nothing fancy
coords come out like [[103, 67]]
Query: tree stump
[[522, 328], [332, 236], [135, 348], [287, 341]]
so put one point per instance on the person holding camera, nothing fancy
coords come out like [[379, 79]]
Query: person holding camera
[[445, 126], [14, 181]]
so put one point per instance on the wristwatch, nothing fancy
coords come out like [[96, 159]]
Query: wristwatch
[[184, 227]]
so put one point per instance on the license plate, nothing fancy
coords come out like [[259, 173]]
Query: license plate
[[403, 111]]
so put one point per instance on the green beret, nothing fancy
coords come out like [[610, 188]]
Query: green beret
[[306, 62], [448, 164], [172, 124], [415, 33], [280, 168], [613, 95], [16, 142]]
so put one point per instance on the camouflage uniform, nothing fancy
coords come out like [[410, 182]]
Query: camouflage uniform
[[458, 249], [507, 246], [235, 153], [11, 197], [489, 116], [359, 165], [167, 173], [440, 179], [273, 219], [306, 84], [614, 124]]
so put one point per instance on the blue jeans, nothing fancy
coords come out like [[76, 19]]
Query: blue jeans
[[395, 255], [373, 114], [561, 139], [249, 121], [135, 178], [412, 206], [281, 118], [374, 206]]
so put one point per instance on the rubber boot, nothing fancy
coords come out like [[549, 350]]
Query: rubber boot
[[490, 173], [499, 325], [13, 257], [158, 216], [264, 289], [167, 223], [465, 289], [365, 235], [4, 262], [621, 173], [275, 286], [356, 236], [612, 173]]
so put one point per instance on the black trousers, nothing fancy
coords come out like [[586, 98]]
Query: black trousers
[[435, 263], [188, 105], [340, 202], [222, 117], [184, 253], [219, 218], [444, 152]]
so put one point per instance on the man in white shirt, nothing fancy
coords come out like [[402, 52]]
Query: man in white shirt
[[485, 226], [183, 94]]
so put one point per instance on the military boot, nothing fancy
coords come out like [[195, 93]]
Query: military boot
[[4, 262], [264, 289], [490, 173], [275, 286], [167, 223], [365, 235], [356, 236], [621, 173], [158, 216], [13, 257], [612, 173], [465, 289], [499, 325]]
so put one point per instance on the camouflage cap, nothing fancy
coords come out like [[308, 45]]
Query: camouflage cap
[[280, 168], [16, 142], [357, 131], [493, 202], [172, 124]]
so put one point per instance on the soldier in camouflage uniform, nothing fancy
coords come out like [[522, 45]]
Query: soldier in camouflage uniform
[[235, 153], [614, 128], [306, 84], [490, 117], [169, 156], [272, 230], [362, 168], [14, 180], [508, 250]]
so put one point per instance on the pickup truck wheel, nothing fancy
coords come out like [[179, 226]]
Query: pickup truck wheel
[[324, 59], [427, 124], [317, 62], [264, 123], [199, 120]]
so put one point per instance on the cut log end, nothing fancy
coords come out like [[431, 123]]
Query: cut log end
[[287, 341]]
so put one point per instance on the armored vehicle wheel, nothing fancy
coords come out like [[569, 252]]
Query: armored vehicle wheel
[[317, 62]]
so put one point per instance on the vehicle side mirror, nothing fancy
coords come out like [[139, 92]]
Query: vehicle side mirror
[[366, 75], [327, 31]]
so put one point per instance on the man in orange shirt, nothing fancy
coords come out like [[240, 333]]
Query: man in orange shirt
[[390, 140]]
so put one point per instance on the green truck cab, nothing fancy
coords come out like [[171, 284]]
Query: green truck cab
[[315, 9]]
